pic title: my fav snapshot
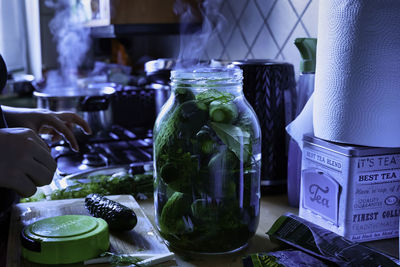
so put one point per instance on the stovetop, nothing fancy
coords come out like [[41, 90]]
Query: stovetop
[[118, 147]]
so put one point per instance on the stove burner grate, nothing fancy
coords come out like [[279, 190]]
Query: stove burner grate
[[121, 146]]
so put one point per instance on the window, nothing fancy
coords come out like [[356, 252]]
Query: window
[[12, 34]]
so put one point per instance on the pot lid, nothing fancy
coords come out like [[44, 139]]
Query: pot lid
[[96, 89]]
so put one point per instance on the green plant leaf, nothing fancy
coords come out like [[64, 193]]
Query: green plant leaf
[[210, 95], [122, 259], [234, 138]]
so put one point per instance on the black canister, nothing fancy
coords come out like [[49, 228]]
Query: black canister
[[269, 86]]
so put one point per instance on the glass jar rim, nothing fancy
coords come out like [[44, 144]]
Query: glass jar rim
[[204, 74]]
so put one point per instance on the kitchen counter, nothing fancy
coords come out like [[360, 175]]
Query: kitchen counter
[[271, 208]]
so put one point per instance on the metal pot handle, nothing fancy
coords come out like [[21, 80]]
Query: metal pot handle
[[94, 103]]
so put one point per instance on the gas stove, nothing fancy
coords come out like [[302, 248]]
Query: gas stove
[[120, 146]]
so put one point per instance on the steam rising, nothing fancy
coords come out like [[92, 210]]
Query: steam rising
[[72, 38], [193, 45]]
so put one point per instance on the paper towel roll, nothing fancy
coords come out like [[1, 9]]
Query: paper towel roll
[[357, 87], [303, 124]]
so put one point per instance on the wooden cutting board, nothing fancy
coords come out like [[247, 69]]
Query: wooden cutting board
[[144, 238]]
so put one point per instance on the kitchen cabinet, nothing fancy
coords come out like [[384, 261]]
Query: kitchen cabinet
[[119, 18], [126, 30]]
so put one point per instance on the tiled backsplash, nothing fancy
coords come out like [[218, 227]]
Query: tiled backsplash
[[264, 29]]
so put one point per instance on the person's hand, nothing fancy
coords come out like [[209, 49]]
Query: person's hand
[[43, 121], [25, 161]]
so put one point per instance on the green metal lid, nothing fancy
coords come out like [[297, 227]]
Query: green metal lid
[[65, 239], [307, 48], [64, 226]]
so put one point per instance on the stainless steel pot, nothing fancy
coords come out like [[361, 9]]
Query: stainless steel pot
[[92, 103], [158, 74]]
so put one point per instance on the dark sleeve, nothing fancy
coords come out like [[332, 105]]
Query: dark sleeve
[[3, 123], [7, 196]]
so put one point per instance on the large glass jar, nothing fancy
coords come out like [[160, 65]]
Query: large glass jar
[[207, 162]]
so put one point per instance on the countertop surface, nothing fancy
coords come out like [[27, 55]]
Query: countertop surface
[[271, 208]]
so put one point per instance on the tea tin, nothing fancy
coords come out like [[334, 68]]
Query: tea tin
[[353, 191]]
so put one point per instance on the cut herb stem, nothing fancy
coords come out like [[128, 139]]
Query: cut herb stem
[[145, 259]]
